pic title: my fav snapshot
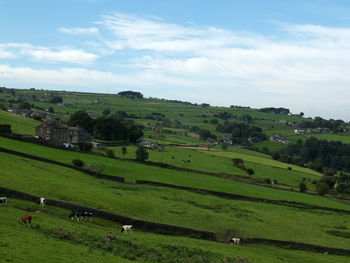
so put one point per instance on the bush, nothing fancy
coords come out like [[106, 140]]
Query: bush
[[110, 153], [250, 172], [302, 187], [85, 146], [267, 181], [78, 163], [321, 188], [124, 150], [141, 154]]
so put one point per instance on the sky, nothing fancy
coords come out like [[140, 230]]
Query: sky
[[272, 53]]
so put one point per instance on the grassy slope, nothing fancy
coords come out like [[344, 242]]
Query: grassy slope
[[19, 244], [132, 171], [219, 161], [174, 206], [18, 123]]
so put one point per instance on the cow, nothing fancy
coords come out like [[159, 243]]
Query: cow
[[126, 228], [81, 215], [3, 200], [27, 220], [87, 215], [235, 241], [41, 201], [75, 215]]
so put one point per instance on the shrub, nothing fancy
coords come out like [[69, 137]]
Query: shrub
[[302, 187], [78, 163], [110, 153], [141, 154], [85, 146], [321, 188], [267, 181], [250, 172], [124, 150]]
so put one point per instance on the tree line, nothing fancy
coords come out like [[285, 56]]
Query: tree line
[[107, 128]]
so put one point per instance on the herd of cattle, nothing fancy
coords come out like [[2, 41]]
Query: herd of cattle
[[79, 215], [75, 215]]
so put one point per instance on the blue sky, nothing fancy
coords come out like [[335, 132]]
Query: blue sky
[[281, 53]]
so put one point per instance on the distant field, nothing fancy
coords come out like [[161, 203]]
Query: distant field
[[133, 171], [344, 138], [175, 207], [18, 123], [17, 242], [219, 161]]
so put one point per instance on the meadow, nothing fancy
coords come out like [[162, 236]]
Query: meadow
[[58, 239], [132, 171], [18, 123], [176, 207]]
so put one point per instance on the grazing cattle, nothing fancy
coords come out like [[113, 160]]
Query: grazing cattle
[[235, 241], [81, 215], [42, 201], [188, 161], [3, 200], [27, 220], [126, 228]]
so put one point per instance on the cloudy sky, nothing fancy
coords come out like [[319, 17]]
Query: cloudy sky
[[281, 53]]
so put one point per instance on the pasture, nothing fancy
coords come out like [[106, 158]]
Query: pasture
[[18, 123], [176, 207], [55, 238], [133, 171]]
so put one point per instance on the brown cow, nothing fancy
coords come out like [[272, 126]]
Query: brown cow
[[26, 219]]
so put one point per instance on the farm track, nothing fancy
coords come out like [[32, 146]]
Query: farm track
[[186, 188], [166, 229]]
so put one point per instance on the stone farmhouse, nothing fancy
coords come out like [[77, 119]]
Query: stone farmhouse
[[57, 134]]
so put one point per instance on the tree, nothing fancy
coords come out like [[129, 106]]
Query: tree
[[321, 188], [51, 110], [141, 154], [106, 112], [56, 99], [110, 153], [124, 150], [85, 146], [82, 119], [250, 171], [24, 105], [302, 187], [301, 114], [78, 162]]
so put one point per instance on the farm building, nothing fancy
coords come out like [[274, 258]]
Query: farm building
[[57, 134], [149, 144]]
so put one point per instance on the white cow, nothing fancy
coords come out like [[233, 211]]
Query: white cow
[[235, 241], [126, 228], [3, 200], [42, 201]]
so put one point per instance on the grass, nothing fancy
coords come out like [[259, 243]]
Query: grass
[[174, 207], [86, 241], [133, 171], [18, 123]]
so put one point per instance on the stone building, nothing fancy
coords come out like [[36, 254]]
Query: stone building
[[57, 134]]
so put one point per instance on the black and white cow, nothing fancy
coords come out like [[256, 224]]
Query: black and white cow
[[126, 228], [3, 200], [81, 215]]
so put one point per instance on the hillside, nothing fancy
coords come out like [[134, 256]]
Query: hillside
[[185, 200]]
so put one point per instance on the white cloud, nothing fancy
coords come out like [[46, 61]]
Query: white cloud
[[78, 30], [48, 55]]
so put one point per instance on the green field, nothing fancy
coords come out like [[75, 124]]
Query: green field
[[53, 237], [133, 171], [60, 240], [176, 207], [18, 123]]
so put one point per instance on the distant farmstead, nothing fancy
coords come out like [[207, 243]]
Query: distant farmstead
[[57, 134], [149, 144]]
